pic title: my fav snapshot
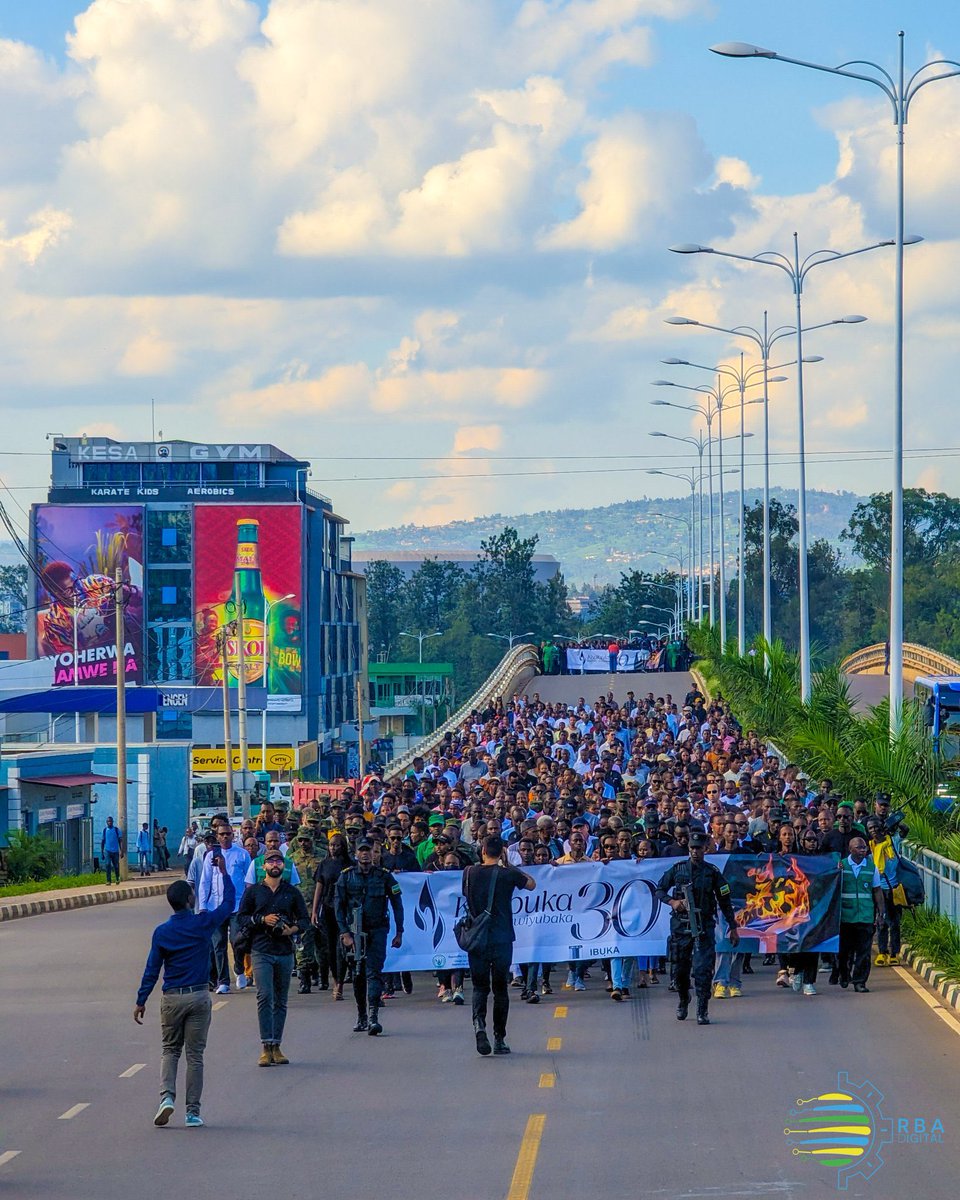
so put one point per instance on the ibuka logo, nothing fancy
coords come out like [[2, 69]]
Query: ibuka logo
[[427, 908]]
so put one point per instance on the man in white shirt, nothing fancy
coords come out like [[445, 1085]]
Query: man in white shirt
[[237, 861]]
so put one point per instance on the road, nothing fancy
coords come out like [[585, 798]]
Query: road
[[567, 689], [633, 1104], [869, 690]]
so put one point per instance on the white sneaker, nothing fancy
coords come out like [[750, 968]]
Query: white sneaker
[[447, 997], [241, 982], [579, 985], [809, 989], [223, 989]]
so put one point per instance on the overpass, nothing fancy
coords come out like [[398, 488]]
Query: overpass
[[865, 671]]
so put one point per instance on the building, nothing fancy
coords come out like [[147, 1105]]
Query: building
[[545, 566], [410, 699], [195, 531]]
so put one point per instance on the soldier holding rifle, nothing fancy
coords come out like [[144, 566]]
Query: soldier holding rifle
[[694, 889]]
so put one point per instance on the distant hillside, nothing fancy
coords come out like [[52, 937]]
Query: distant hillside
[[594, 545]]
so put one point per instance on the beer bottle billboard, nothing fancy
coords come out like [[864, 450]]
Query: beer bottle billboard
[[250, 557], [246, 599]]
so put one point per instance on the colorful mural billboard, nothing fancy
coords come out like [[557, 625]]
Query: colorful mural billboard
[[79, 549]]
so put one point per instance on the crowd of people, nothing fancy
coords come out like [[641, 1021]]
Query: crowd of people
[[309, 894], [639, 653]]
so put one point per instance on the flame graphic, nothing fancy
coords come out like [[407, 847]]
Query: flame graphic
[[778, 901], [426, 904]]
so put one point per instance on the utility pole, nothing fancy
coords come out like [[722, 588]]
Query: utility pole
[[360, 744], [121, 665], [227, 737], [242, 712]]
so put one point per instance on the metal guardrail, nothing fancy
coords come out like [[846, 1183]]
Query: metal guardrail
[[941, 880], [520, 658], [917, 658]]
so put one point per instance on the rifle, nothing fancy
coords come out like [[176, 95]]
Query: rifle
[[356, 955], [693, 917]]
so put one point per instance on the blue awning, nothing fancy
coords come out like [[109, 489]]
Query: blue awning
[[83, 700]]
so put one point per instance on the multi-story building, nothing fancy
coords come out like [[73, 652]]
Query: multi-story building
[[195, 531]]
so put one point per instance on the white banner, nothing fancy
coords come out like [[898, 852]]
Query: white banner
[[586, 910], [586, 660]]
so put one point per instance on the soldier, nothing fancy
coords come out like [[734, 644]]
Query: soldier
[[308, 961], [692, 934], [369, 889]]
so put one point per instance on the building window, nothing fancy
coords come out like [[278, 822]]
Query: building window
[[169, 535], [231, 472], [170, 652], [171, 472], [169, 595], [110, 472], [174, 724]]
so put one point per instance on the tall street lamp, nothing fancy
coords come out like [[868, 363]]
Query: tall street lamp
[[900, 93], [690, 478], [268, 605], [796, 271], [765, 341], [511, 637]]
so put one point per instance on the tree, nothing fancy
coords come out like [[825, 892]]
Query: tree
[[508, 592], [931, 527], [432, 593], [385, 602], [625, 606]]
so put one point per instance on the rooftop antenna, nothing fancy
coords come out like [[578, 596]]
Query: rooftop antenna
[[153, 420]]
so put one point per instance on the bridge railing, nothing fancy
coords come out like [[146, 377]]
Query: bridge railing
[[941, 880], [521, 658], [919, 659]]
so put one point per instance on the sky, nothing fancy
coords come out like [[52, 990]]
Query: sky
[[425, 244]]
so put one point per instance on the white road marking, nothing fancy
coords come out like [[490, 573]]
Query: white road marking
[[72, 1112], [7, 1155], [932, 1000], [219, 1004], [131, 1070]]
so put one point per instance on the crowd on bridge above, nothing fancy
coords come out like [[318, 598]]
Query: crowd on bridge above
[[638, 652]]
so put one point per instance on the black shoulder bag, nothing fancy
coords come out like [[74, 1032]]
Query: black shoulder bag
[[472, 932]]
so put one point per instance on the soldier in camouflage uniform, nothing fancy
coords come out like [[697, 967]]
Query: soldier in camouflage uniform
[[307, 860]]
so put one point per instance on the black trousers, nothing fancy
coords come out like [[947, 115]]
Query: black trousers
[[490, 971], [332, 950], [805, 964], [855, 944], [368, 973], [693, 956]]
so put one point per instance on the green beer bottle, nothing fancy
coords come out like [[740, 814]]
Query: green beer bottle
[[248, 594]]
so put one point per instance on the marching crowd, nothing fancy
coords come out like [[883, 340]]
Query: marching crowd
[[309, 894]]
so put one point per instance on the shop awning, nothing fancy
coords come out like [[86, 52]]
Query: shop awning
[[69, 781], [83, 700]]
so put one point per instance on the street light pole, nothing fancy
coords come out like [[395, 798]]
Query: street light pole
[[796, 270], [900, 93], [765, 342], [268, 605]]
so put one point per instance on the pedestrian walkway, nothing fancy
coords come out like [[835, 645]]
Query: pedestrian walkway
[[63, 899]]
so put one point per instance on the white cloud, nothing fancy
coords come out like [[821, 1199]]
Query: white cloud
[[477, 437]]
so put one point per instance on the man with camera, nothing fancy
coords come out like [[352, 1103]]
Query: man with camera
[[270, 914]]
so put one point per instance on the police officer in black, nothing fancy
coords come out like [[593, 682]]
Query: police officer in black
[[693, 940], [370, 889]]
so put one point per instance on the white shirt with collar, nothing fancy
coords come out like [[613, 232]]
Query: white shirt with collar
[[210, 892], [868, 862]]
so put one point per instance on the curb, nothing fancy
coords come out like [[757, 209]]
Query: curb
[[948, 989], [12, 910]]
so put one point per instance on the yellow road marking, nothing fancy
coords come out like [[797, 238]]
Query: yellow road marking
[[931, 1000], [547, 1079], [554, 1043], [72, 1112], [219, 1004], [560, 1010], [527, 1157]]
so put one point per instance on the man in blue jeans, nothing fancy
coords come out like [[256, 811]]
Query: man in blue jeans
[[181, 946], [272, 912], [111, 846]]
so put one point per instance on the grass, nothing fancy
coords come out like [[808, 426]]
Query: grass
[[935, 938], [54, 884]]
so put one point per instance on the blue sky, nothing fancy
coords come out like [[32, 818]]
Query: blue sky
[[437, 230]]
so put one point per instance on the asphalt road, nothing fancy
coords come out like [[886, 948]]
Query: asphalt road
[[633, 1103], [568, 688]]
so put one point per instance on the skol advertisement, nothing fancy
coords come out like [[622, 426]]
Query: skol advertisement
[[79, 549], [248, 568]]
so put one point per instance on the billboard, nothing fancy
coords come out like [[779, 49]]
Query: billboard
[[79, 549], [248, 556]]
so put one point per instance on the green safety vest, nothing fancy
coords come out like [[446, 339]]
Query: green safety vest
[[856, 896]]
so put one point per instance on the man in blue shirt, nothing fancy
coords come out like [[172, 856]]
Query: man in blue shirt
[[181, 946], [111, 846]]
